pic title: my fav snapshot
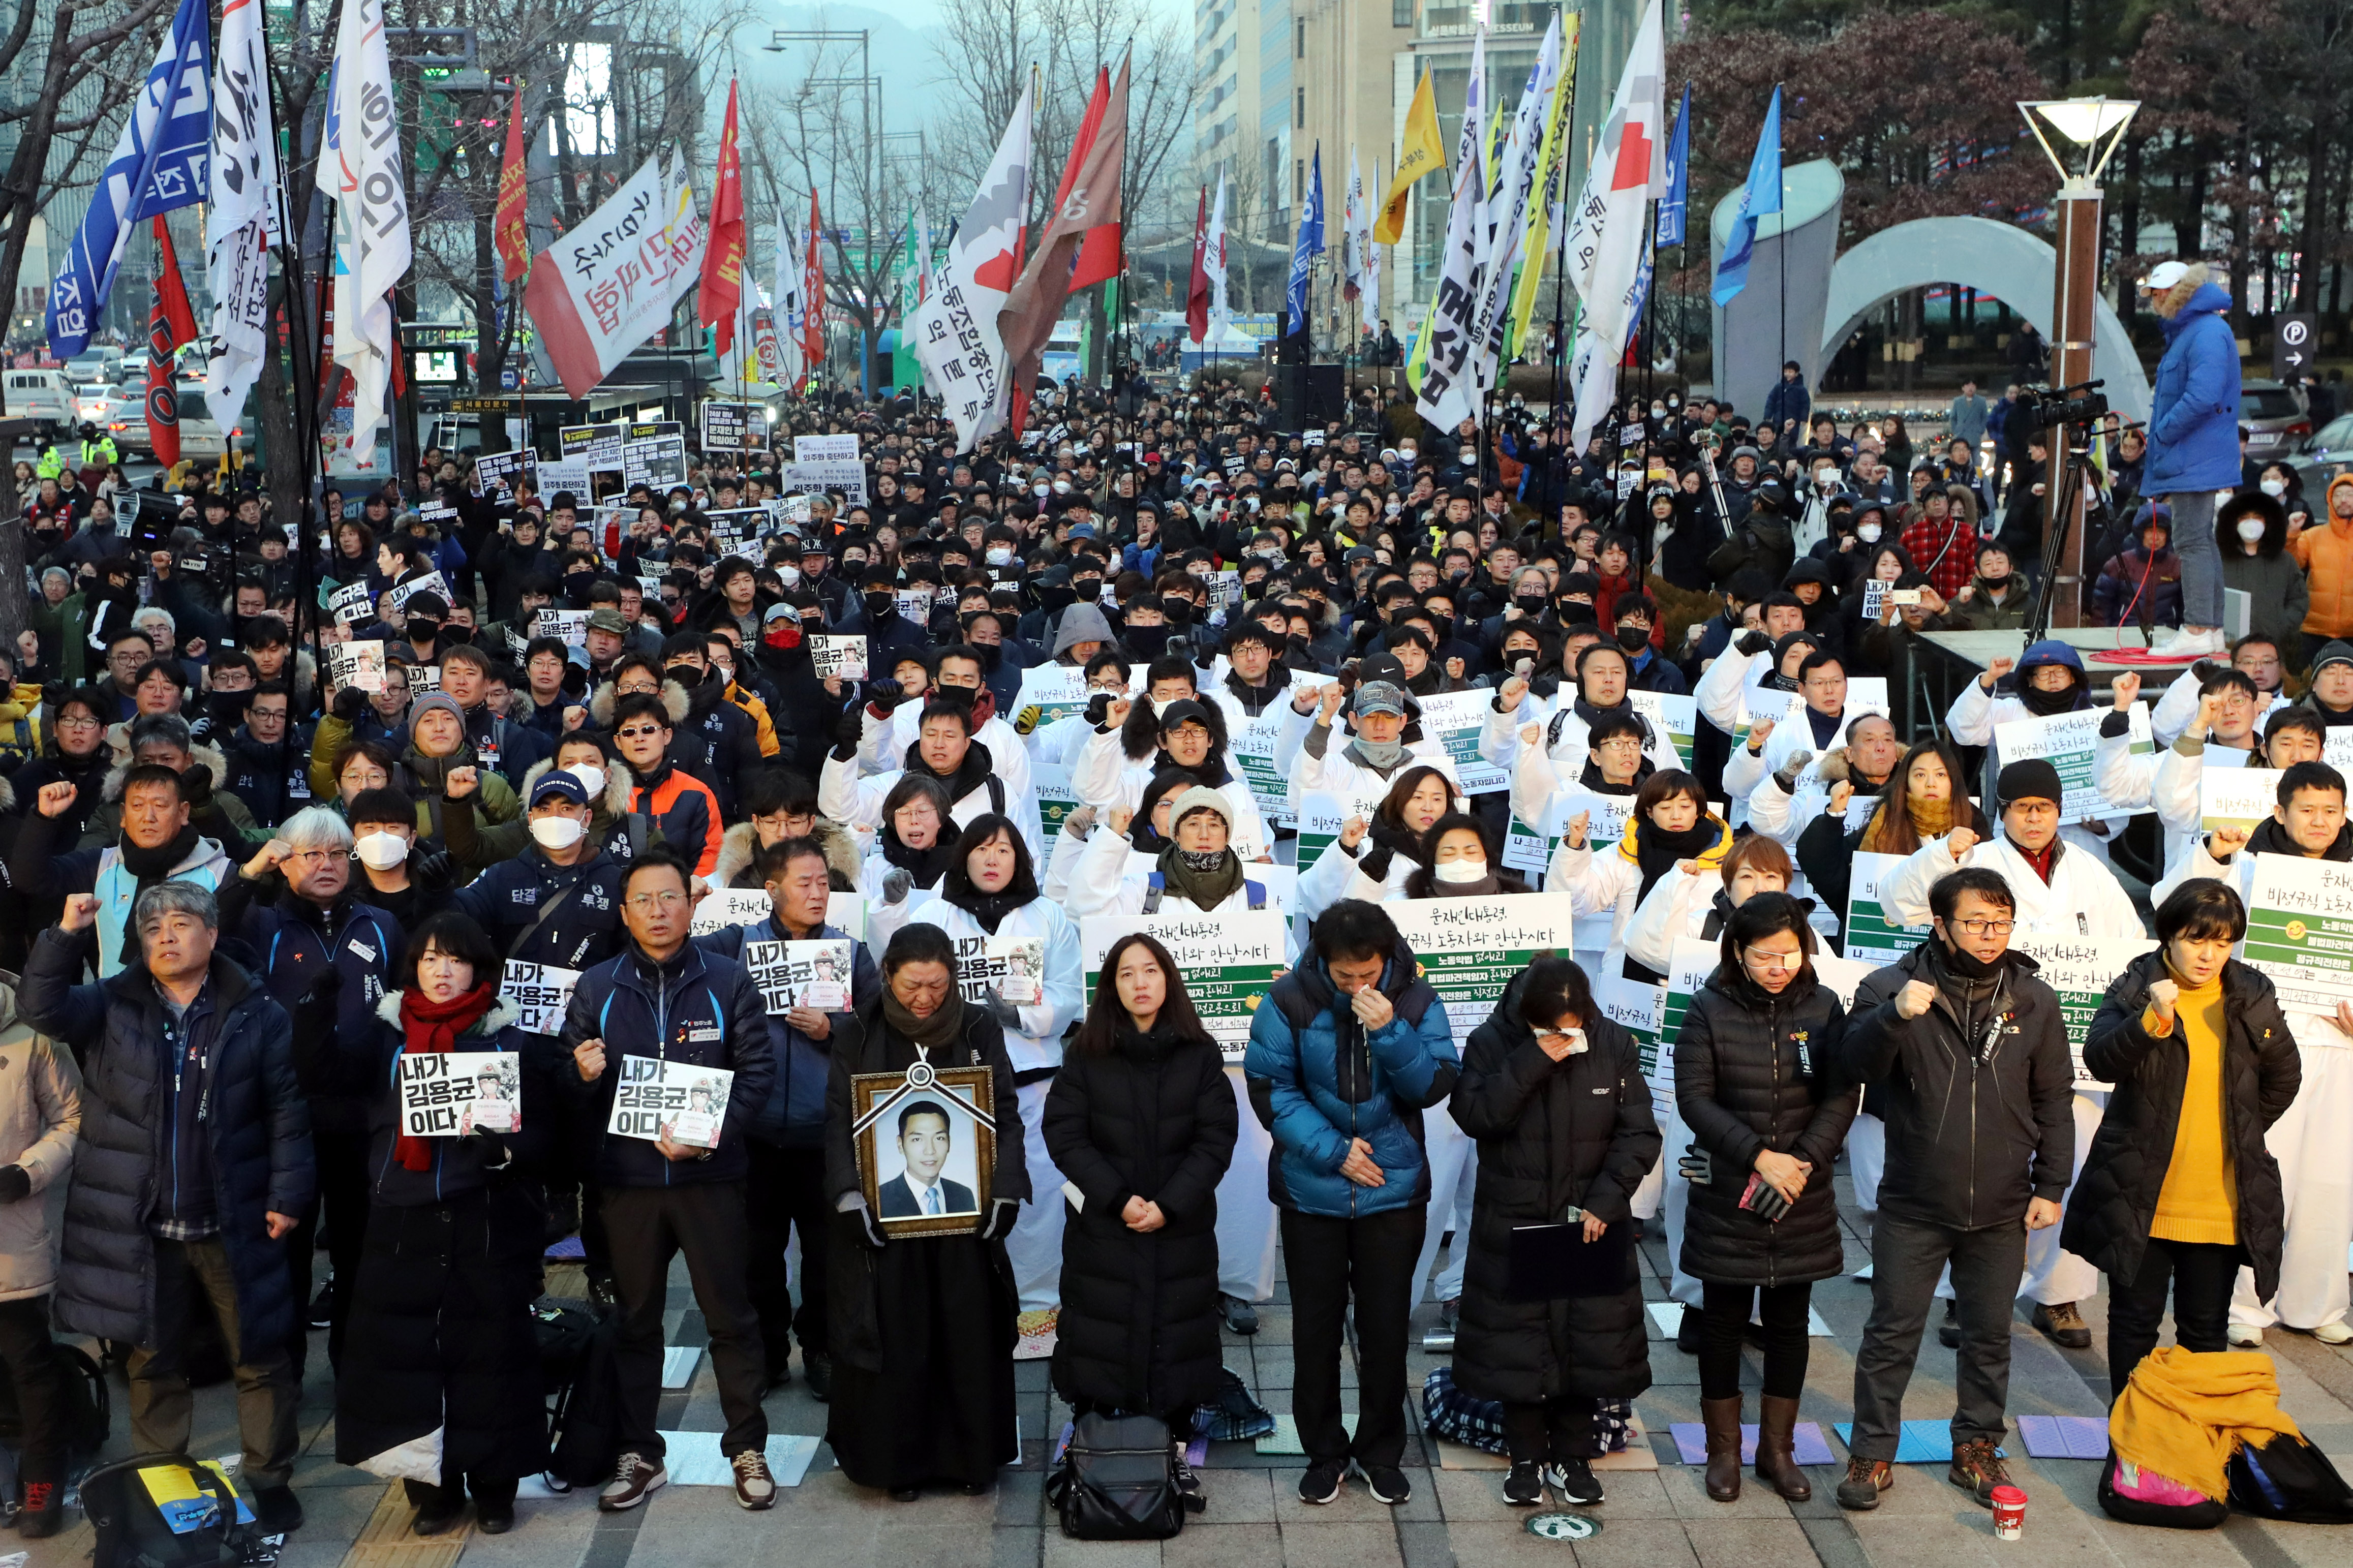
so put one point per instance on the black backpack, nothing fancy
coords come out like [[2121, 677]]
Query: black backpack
[[585, 1413], [201, 1529], [1117, 1480], [2289, 1479]]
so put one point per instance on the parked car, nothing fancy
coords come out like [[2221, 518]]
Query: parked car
[[43, 394], [96, 364], [2326, 453], [125, 419], [2275, 416]]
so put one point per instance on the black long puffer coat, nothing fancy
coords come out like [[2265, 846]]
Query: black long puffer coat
[[1551, 1135], [1752, 1072], [2114, 1201], [1154, 1119]]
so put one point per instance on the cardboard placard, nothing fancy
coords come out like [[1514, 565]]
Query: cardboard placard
[[542, 994], [1873, 934], [450, 1094], [1228, 957], [2071, 742], [1469, 949], [841, 657], [356, 664], [666, 1101], [724, 907], [813, 973], [2080, 969]]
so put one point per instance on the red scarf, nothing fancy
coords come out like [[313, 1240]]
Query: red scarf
[[435, 1027]]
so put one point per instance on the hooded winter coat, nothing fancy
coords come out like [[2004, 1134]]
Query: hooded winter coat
[[1552, 1135], [1153, 1118], [2193, 422], [40, 1123], [2114, 1201], [1756, 1071], [2326, 553]]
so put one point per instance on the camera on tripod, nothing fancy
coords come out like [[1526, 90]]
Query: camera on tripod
[[2041, 407]]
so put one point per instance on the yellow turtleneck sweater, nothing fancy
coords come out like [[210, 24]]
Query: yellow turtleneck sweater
[[2197, 1203]]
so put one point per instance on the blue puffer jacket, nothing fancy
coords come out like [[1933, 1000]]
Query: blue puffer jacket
[[2193, 422], [793, 1116], [698, 1007], [1318, 1081]]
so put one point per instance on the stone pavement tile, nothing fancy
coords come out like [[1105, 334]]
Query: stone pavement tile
[[1244, 1496], [1470, 1496], [1339, 1544], [1204, 1546], [1015, 1548], [1632, 1494], [1953, 1539], [1508, 1544], [1020, 1497], [1746, 1542], [1638, 1543], [1061, 1551], [1425, 1546], [1686, 1489]]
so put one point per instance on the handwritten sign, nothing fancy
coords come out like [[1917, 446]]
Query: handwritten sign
[[1469, 949], [2236, 797], [724, 907], [1228, 957], [2300, 933], [2071, 742], [1872, 932], [2080, 970]]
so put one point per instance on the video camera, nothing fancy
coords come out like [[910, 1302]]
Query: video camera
[[2041, 407]]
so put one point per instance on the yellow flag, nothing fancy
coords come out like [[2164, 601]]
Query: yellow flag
[[1552, 164], [1423, 153]]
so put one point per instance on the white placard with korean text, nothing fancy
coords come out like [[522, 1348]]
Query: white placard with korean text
[[540, 995]]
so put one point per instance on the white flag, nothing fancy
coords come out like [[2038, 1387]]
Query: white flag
[[1213, 262], [372, 249], [241, 222], [689, 233], [605, 285], [1450, 385], [1507, 222], [1360, 236], [956, 336], [787, 265], [1605, 238]]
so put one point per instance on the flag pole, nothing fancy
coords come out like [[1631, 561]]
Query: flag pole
[[301, 383]]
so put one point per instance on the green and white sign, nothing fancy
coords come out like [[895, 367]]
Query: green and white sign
[[2300, 931], [1453, 719], [1056, 691], [1322, 815], [1469, 949], [2236, 797], [1229, 958], [1634, 1007], [1056, 797], [1678, 716], [2071, 742], [1874, 935], [1253, 749], [2080, 970]]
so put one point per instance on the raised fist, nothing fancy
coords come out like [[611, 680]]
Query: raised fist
[[1574, 834], [57, 798], [462, 783], [1959, 842], [1995, 671], [1840, 793], [80, 912], [2162, 994], [2126, 692], [2226, 842], [1915, 998]]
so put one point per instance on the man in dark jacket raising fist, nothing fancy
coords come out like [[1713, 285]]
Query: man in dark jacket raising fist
[[1980, 1145]]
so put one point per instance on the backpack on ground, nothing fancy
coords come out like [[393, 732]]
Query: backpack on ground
[[584, 1415], [166, 1510], [1117, 1480], [2289, 1479], [2136, 1496]]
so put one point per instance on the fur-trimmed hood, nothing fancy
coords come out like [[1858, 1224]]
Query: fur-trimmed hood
[[502, 1013], [619, 785], [737, 850], [203, 752], [675, 700]]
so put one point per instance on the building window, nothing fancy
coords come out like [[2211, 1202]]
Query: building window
[[1400, 13], [1299, 108], [1298, 49], [1299, 180]]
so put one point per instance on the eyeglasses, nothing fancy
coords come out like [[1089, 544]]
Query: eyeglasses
[[1619, 743], [81, 723], [643, 902], [314, 857], [1985, 928]]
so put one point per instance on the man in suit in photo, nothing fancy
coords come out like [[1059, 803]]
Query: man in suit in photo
[[921, 1191]]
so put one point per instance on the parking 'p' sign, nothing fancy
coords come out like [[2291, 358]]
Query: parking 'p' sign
[[2295, 343]]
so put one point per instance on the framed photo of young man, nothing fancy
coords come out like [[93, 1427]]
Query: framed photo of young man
[[926, 1146]]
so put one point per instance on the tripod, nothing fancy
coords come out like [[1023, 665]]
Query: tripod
[[2069, 484]]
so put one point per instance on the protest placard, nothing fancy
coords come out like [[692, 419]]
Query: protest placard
[[1020, 961], [1872, 932], [424, 678], [1056, 691], [1322, 816], [1228, 956], [594, 447], [498, 472], [1252, 748], [824, 449], [667, 1101], [1050, 783], [352, 603], [812, 478], [540, 994], [1469, 949], [724, 907], [1634, 1007], [561, 477], [1678, 716], [2069, 742], [2300, 931], [450, 1094], [658, 461], [568, 626], [356, 664], [2236, 797], [1453, 719], [813, 973], [396, 598], [841, 657], [847, 912], [733, 426], [2080, 970]]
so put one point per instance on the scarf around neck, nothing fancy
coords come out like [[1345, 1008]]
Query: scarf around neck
[[1656, 851], [434, 1027], [925, 866], [153, 865], [1382, 757], [1209, 886], [944, 1024]]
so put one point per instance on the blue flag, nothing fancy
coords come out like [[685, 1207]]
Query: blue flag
[[1678, 196], [1310, 243], [158, 163], [1763, 195]]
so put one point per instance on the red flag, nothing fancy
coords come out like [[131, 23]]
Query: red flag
[[513, 236], [1099, 257], [723, 260], [1196, 291], [813, 294], [170, 325], [1087, 204]]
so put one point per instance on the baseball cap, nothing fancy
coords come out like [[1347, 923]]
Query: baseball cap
[[2165, 275], [558, 783], [605, 618], [1379, 697]]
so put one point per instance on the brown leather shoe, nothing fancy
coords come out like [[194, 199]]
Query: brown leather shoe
[[1865, 1479], [1978, 1469], [1721, 1418], [1776, 1463]]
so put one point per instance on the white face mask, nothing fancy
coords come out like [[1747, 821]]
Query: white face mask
[[1867, 534], [2274, 488], [1394, 506], [1002, 556], [789, 576], [381, 851], [556, 832], [2251, 529], [1469, 456], [1460, 870], [1061, 487], [1042, 489], [592, 779]]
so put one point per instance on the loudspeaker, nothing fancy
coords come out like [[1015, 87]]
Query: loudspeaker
[[1290, 396], [1290, 348], [1327, 393]]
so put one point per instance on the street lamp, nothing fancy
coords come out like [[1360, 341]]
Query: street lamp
[[2079, 135]]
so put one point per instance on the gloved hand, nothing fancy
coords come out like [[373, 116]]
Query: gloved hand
[[350, 703], [1694, 1166], [1375, 863], [1787, 775], [1002, 1212], [885, 693], [848, 732], [1026, 720], [15, 1184], [895, 884], [1004, 1012], [1754, 642]]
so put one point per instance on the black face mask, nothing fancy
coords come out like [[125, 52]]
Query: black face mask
[[1178, 611], [422, 630], [1445, 625], [1055, 598], [1633, 640], [456, 634], [1087, 589], [1531, 604], [878, 604], [1147, 640]]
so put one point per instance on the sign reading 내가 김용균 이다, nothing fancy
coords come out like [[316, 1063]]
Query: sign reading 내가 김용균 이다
[[1229, 958], [448, 1094], [542, 994], [681, 1103]]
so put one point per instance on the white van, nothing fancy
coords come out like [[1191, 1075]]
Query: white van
[[43, 394]]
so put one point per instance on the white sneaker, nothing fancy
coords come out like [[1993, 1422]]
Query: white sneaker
[[2180, 643], [2335, 1334], [2244, 1335]]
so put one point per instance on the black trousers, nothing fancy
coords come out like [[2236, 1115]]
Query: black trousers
[[343, 1203], [1906, 1257], [40, 1381], [1561, 1428], [2197, 1275], [785, 1189], [648, 1226], [1723, 1315], [1328, 1261]]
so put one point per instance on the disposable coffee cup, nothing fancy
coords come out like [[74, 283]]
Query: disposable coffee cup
[[2009, 1513]]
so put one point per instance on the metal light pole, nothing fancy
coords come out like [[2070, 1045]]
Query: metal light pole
[[2088, 131]]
